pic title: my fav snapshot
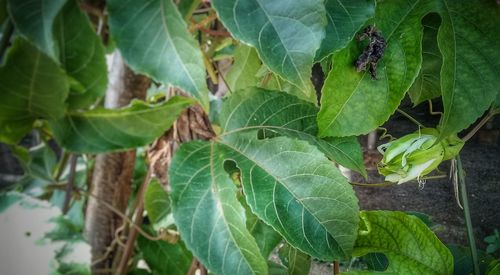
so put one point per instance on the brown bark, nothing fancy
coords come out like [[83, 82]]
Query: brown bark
[[112, 174]]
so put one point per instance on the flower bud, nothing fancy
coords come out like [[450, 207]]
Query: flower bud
[[416, 155]]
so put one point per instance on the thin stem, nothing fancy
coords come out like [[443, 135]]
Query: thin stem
[[132, 236], [388, 183], [481, 123], [202, 23], [60, 166], [6, 34], [71, 182], [468, 221], [410, 118]]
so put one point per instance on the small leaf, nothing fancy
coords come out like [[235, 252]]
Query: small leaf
[[297, 263], [286, 33], [345, 18], [163, 257], [34, 19], [243, 73], [352, 103], [406, 241], [463, 263], [33, 86], [274, 112], [427, 84], [156, 203], [154, 40], [81, 55], [471, 66], [105, 130]]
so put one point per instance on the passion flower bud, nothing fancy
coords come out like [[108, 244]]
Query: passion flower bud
[[416, 155]]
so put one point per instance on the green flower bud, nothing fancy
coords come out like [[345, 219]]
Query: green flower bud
[[416, 155]]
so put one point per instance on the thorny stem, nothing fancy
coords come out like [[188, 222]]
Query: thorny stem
[[71, 182], [6, 34], [481, 123], [468, 221], [388, 183], [405, 114]]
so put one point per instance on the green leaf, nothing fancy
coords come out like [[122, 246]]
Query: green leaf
[[319, 218], [33, 86], [462, 260], [34, 19], [156, 202], [243, 73], [297, 263], [427, 84], [344, 20], [352, 103], [279, 113], [165, 258], [409, 245], [3, 11], [105, 130], [208, 215], [40, 162], [81, 54], [471, 66], [265, 236], [153, 39], [286, 33], [272, 81]]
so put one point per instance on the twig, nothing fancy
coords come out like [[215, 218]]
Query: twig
[[132, 236], [410, 118], [71, 183], [468, 221], [202, 23], [214, 32], [481, 123], [6, 34], [223, 78]]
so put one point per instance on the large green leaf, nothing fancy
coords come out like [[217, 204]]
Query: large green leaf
[[409, 245], [352, 103], [207, 213], [81, 54], [471, 64], [154, 40], [243, 73], [32, 86], [427, 84], [279, 113], [165, 258], [297, 263], [34, 19], [105, 130], [344, 20], [286, 33], [319, 218]]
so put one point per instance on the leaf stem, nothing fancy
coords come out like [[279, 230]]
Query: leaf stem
[[405, 114], [71, 183], [388, 183], [481, 123], [468, 221], [6, 34]]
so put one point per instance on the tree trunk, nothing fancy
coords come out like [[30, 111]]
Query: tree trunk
[[112, 174]]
